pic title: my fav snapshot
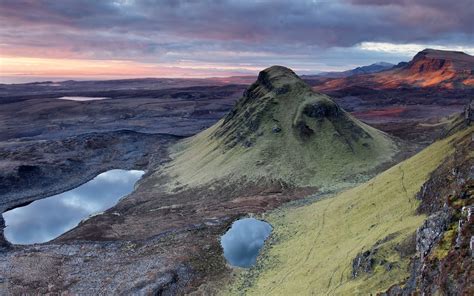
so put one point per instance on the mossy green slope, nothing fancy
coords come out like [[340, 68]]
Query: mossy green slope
[[281, 130], [313, 246]]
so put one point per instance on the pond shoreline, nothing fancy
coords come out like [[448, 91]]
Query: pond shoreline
[[48, 218], [73, 161]]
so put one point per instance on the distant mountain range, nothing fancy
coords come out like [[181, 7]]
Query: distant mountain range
[[428, 68], [373, 68]]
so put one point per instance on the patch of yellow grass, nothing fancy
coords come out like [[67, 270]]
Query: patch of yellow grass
[[443, 247], [314, 245]]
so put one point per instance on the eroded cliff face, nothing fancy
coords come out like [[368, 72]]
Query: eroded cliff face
[[442, 260], [428, 69]]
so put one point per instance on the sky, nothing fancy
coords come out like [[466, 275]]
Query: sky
[[179, 38]]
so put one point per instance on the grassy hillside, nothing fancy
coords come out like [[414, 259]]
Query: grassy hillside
[[282, 131], [313, 247]]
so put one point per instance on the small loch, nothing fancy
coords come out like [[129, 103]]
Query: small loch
[[243, 241], [83, 99], [48, 218]]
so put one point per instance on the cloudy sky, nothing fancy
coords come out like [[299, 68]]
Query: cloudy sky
[[173, 38]]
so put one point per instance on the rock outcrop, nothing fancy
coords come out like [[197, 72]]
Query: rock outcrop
[[443, 261], [430, 232], [367, 261], [431, 60]]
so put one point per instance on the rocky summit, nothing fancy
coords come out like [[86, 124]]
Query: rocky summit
[[282, 130]]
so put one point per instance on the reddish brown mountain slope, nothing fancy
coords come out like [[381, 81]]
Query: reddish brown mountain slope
[[428, 68]]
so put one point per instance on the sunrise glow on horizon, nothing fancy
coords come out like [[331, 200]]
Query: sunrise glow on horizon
[[49, 67]]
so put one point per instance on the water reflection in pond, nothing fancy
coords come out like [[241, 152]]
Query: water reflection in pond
[[244, 240], [83, 99], [45, 219]]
